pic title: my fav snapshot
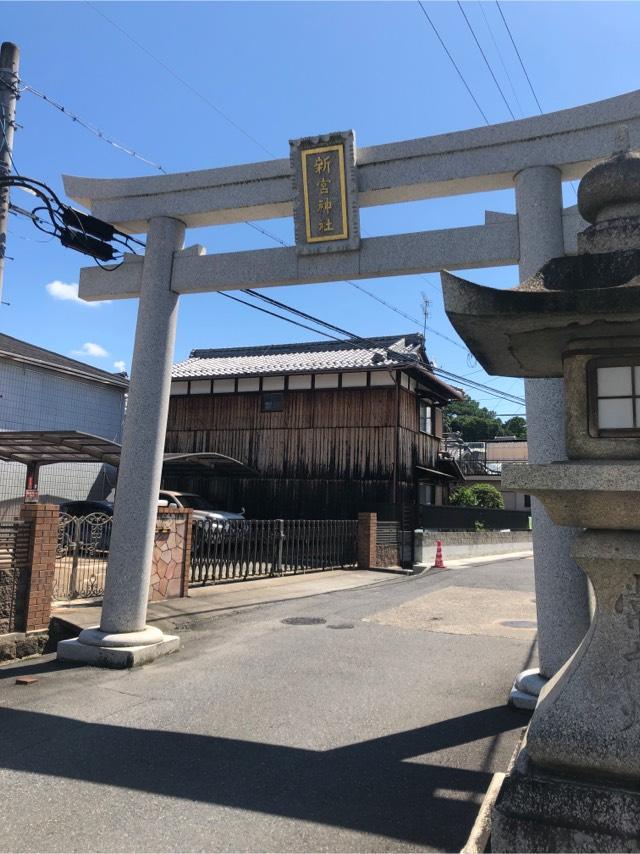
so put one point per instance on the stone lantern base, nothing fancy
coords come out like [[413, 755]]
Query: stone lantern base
[[540, 811]]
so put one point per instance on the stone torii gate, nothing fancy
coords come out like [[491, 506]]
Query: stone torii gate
[[532, 156]]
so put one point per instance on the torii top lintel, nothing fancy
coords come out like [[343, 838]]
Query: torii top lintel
[[470, 161]]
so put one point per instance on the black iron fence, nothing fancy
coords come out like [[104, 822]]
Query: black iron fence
[[81, 555], [236, 550]]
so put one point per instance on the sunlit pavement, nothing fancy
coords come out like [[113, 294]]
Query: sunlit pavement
[[367, 719]]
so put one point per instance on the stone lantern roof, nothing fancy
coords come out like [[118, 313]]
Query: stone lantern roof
[[524, 331]]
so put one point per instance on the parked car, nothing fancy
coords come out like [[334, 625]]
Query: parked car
[[83, 508], [203, 509]]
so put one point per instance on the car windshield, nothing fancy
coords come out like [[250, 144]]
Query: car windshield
[[195, 502]]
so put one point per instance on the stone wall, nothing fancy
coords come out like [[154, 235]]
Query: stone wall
[[387, 554], [461, 544], [171, 555], [26, 582], [14, 581]]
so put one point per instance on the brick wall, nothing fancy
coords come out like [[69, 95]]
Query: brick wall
[[43, 519], [367, 534]]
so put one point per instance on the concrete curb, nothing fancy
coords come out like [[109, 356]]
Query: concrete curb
[[481, 830]]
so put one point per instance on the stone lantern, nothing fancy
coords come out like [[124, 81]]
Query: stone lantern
[[575, 785]]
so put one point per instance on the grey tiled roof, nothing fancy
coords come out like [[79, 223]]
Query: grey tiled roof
[[314, 357], [23, 351]]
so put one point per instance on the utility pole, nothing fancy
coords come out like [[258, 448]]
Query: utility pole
[[9, 65]]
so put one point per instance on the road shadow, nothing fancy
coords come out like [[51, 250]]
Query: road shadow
[[367, 787]]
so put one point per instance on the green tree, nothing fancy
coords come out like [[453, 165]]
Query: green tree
[[516, 426], [478, 495], [476, 423]]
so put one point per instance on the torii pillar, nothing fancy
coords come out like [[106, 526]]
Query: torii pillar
[[562, 596], [123, 639]]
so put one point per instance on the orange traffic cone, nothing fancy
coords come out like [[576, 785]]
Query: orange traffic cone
[[439, 564]]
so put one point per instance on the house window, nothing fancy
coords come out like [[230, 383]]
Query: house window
[[614, 395], [426, 417], [273, 401], [426, 494]]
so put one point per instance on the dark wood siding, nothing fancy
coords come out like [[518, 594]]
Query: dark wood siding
[[328, 453]]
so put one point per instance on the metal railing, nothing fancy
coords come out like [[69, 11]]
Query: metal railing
[[241, 549], [81, 556]]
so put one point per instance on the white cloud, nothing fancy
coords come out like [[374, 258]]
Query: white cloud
[[91, 349], [120, 365], [69, 293]]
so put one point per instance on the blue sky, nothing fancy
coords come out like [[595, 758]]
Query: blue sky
[[278, 71]]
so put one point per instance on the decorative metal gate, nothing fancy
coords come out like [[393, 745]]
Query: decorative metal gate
[[238, 550], [81, 555]]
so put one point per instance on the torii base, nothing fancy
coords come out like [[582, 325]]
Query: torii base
[[99, 649]]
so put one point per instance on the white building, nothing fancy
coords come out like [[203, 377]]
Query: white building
[[42, 390]]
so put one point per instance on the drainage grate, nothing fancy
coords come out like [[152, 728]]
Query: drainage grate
[[520, 624], [304, 621]]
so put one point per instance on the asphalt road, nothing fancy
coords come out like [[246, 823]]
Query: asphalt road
[[372, 731]]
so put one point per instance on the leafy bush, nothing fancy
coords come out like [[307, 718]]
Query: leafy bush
[[488, 496], [478, 495], [463, 496]]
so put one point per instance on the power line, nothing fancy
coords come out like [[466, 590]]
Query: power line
[[453, 62], [180, 79], [501, 58], [480, 386], [92, 128], [526, 74], [399, 311], [280, 316], [515, 47], [486, 61], [394, 308], [357, 340]]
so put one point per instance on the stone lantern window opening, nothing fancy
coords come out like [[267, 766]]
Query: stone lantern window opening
[[614, 396]]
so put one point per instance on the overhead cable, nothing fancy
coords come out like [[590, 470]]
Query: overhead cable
[[486, 61], [280, 316], [515, 47], [501, 58], [92, 128], [453, 62], [180, 79], [368, 342]]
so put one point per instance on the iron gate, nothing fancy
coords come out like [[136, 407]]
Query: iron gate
[[81, 555], [242, 549]]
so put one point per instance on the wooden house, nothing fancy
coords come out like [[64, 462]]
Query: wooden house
[[330, 428]]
